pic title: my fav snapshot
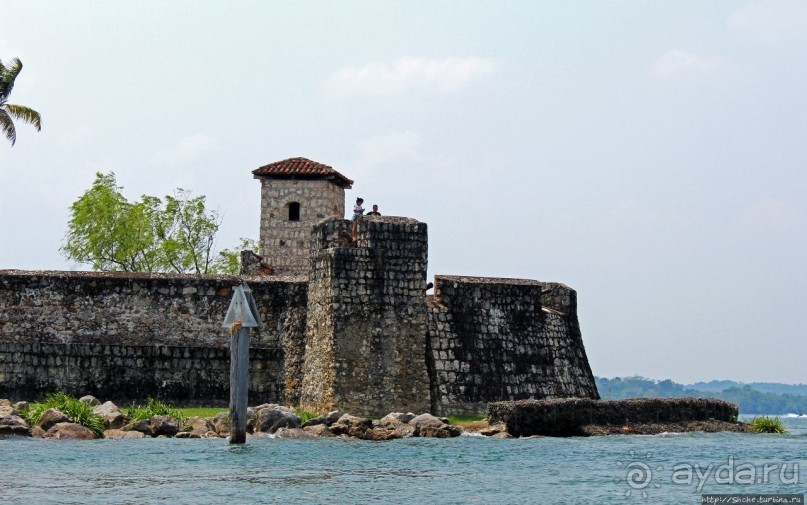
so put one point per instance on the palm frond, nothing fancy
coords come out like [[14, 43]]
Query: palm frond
[[26, 114], [8, 74], [7, 126]]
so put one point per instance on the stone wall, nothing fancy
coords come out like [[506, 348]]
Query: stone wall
[[570, 416], [284, 244], [359, 333], [128, 373], [141, 308], [498, 339], [366, 329], [128, 312]]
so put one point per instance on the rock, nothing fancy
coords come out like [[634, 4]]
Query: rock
[[426, 425], [272, 417], [319, 430], [200, 426], [113, 417], [6, 410], [293, 433], [502, 434], [379, 434], [252, 418], [5, 403], [142, 426], [123, 434], [351, 426], [69, 431], [315, 421], [405, 431], [187, 434], [445, 420], [396, 418], [165, 425], [50, 418], [333, 416], [21, 406], [90, 400], [221, 424], [211, 434], [494, 429], [37, 432], [14, 425]]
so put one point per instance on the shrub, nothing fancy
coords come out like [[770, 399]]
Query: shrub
[[763, 424], [154, 408], [77, 411]]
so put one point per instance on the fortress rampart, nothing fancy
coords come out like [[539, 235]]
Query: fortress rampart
[[367, 322], [497, 338], [128, 336], [352, 329], [359, 334]]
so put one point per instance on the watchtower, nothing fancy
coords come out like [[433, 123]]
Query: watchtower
[[295, 194]]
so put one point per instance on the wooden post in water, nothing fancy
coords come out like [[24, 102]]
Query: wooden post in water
[[241, 316]]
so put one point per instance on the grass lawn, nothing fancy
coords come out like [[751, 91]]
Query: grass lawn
[[202, 411], [464, 419], [195, 411]]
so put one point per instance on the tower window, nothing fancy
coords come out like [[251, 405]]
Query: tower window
[[294, 211]]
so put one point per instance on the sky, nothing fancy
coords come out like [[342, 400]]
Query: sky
[[649, 154]]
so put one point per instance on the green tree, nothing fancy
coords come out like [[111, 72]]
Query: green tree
[[188, 233], [8, 111], [229, 260], [110, 233]]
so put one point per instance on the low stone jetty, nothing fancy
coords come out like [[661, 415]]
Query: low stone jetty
[[584, 416]]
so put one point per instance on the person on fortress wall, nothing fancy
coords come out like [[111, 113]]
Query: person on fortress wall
[[358, 210], [374, 212]]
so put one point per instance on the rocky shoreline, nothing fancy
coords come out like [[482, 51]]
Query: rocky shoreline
[[266, 419], [506, 420]]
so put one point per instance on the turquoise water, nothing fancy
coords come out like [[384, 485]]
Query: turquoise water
[[460, 470]]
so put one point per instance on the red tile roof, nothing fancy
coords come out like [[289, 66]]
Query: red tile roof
[[301, 168]]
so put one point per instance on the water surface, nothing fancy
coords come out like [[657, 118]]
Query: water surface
[[460, 470]]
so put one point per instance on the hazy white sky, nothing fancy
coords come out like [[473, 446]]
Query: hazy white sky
[[651, 155]]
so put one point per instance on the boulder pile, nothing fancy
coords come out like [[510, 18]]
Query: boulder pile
[[266, 419]]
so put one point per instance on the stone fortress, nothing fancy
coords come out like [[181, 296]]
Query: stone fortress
[[347, 324]]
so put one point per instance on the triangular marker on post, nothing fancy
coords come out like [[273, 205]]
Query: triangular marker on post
[[242, 308]]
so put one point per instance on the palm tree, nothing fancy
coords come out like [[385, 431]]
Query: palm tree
[[8, 74]]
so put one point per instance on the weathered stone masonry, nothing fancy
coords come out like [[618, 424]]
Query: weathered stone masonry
[[128, 336], [129, 373], [296, 194], [366, 330], [497, 338], [355, 331], [359, 335]]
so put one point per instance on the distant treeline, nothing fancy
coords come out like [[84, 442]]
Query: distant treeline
[[753, 398]]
